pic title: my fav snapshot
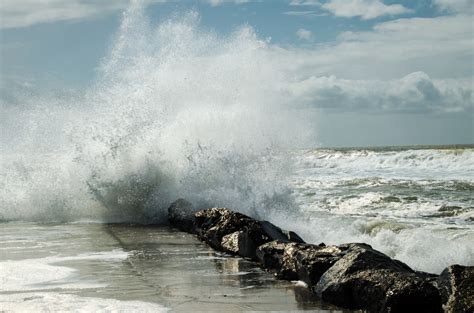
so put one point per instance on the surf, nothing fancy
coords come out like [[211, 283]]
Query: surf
[[176, 111]]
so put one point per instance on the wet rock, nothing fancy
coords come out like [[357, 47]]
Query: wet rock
[[276, 233], [240, 243], [310, 262], [270, 255], [353, 275], [447, 208], [456, 286], [390, 199], [245, 241], [449, 211], [287, 266], [237, 233], [215, 223], [181, 215], [297, 261], [365, 278]]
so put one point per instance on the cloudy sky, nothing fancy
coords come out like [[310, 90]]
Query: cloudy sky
[[379, 72]]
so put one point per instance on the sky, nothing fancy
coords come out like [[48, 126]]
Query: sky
[[378, 72]]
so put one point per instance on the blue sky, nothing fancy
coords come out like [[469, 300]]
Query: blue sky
[[363, 64]]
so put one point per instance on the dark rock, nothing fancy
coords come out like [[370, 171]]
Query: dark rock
[[213, 224], [276, 233], [428, 276], [446, 208], [390, 199], [353, 275], [449, 211], [368, 279], [237, 233], [292, 261], [181, 215], [293, 237], [270, 255], [240, 243], [456, 286], [245, 241], [310, 262]]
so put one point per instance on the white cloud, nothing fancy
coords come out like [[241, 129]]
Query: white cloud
[[443, 47], [454, 5], [304, 34], [366, 9], [416, 93], [23, 13], [420, 65], [305, 2], [307, 13], [215, 3]]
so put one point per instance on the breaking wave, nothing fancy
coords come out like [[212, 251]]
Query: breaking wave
[[176, 111]]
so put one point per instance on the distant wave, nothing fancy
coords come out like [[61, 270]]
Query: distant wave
[[456, 163]]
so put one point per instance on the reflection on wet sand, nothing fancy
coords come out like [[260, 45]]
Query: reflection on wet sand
[[188, 275], [143, 263], [248, 277]]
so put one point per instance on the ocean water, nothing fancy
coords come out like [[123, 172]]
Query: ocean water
[[179, 111], [413, 203]]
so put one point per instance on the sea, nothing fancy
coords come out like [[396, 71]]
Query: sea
[[178, 111], [413, 203]]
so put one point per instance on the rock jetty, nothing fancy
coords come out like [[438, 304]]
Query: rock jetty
[[352, 275]]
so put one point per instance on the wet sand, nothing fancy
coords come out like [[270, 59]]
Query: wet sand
[[160, 265], [189, 276]]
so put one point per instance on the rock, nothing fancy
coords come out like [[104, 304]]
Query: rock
[[297, 261], [310, 262], [365, 278], [293, 237], [181, 215], [270, 255], [237, 233], [276, 233], [456, 286], [215, 223], [353, 276], [390, 199], [245, 241], [240, 243]]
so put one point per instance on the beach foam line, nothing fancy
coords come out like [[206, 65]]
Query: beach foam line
[[58, 302], [44, 273]]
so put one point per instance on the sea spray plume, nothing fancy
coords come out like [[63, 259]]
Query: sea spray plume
[[176, 112], [207, 109]]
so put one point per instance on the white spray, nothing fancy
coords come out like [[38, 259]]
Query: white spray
[[175, 112]]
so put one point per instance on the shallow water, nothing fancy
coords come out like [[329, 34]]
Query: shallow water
[[90, 267]]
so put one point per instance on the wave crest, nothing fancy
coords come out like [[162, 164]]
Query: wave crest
[[177, 111]]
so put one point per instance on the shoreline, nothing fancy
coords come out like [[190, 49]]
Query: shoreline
[[143, 268], [353, 276]]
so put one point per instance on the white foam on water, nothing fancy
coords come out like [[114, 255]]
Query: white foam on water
[[46, 273], [60, 302], [423, 247], [437, 164]]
